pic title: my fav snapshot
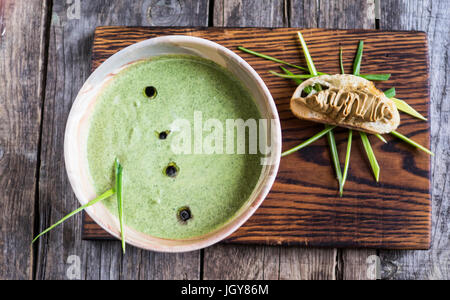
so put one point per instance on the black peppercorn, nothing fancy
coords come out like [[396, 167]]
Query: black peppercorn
[[150, 91], [163, 135], [171, 171], [184, 214]]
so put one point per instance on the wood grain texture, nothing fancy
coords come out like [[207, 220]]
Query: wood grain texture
[[359, 264], [343, 14], [71, 36], [432, 17], [250, 13], [232, 262], [20, 110], [308, 264], [176, 12]]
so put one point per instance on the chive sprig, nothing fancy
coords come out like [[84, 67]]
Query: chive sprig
[[117, 189], [411, 142], [119, 182], [370, 155], [347, 162], [102, 197], [308, 141]]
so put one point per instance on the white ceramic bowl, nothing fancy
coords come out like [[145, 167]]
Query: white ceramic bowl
[[77, 128]]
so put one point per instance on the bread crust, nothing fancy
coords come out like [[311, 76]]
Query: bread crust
[[348, 83]]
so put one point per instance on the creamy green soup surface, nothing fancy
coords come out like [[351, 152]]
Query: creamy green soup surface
[[127, 124]]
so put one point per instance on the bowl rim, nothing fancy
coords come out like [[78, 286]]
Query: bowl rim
[[239, 218]]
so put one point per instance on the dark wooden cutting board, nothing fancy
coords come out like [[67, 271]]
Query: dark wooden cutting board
[[303, 207]]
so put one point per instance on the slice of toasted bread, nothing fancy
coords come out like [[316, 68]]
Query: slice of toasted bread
[[356, 86]]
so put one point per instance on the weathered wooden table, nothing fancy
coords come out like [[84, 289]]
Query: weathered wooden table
[[45, 57]]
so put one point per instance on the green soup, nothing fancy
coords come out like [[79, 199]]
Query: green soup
[[127, 123]]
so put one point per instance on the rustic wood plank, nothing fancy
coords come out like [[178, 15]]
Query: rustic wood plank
[[21, 31], [359, 264], [432, 17], [344, 14], [71, 36], [308, 264], [176, 12], [228, 262], [250, 13], [236, 262]]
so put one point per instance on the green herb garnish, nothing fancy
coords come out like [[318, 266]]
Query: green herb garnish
[[307, 76], [358, 58], [390, 92], [119, 196], [376, 77], [380, 137], [334, 155], [350, 136], [271, 58], [308, 141], [341, 62], [411, 142], [357, 66], [366, 76], [370, 155], [311, 68], [104, 196], [116, 190], [293, 76], [347, 161], [296, 80], [404, 107]]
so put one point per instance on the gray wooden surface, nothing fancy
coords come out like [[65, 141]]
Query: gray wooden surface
[[45, 49], [432, 17]]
